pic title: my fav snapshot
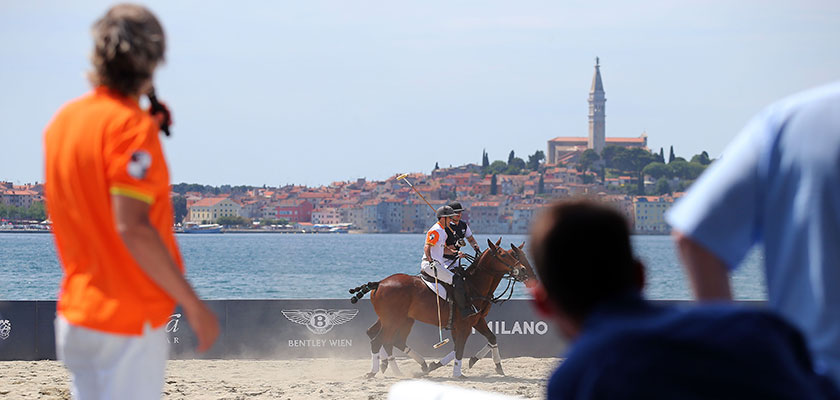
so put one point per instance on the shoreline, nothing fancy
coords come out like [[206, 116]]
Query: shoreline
[[260, 231]]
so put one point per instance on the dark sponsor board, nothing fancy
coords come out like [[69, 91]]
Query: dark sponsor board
[[287, 329]]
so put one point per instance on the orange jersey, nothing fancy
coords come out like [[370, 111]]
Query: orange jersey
[[98, 145]]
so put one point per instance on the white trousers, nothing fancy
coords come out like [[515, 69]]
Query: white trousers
[[443, 274], [109, 366]]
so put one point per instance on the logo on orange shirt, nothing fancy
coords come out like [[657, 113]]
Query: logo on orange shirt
[[433, 237], [139, 164]]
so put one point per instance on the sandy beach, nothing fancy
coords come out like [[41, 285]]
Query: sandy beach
[[289, 379]]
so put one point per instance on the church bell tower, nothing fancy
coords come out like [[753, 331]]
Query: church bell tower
[[597, 113]]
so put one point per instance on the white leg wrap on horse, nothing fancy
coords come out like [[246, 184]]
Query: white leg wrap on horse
[[456, 369], [374, 363], [483, 352], [448, 358], [413, 354], [497, 358], [392, 362], [382, 353]]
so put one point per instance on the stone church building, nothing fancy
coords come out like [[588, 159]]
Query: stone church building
[[561, 149]]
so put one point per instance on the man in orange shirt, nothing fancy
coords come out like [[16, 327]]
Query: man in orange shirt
[[107, 189]]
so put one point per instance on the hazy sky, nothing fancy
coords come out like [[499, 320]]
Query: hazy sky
[[313, 91]]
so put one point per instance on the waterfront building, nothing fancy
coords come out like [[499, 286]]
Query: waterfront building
[[19, 197], [294, 210], [317, 199], [486, 217], [326, 216], [649, 214], [390, 215], [211, 208], [417, 216], [351, 214], [523, 214]]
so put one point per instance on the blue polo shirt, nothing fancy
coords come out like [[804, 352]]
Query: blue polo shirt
[[778, 184], [632, 349]]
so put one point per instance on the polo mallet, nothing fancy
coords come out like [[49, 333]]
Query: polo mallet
[[404, 177], [442, 342]]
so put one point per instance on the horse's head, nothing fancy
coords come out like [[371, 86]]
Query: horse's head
[[508, 262], [529, 277]]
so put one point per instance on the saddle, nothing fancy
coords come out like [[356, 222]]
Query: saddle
[[453, 295]]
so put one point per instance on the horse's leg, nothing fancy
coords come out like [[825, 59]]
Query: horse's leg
[[375, 334], [372, 332], [388, 336], [400, 343], [482, 328], [374, 329], [460, 334], [443, 361]]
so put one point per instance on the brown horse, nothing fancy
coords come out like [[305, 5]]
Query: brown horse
[[401, 299], [480, 326]]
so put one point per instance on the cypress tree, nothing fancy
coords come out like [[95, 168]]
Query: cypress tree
[[671, 157], [493, 186]]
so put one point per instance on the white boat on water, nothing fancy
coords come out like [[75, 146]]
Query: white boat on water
[[204, 228]]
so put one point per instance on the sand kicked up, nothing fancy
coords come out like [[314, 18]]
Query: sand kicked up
[[305, 379]]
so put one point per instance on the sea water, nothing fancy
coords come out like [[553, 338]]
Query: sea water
[[311, 266]]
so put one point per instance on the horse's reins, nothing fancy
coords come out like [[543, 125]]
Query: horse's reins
[[510, 278]]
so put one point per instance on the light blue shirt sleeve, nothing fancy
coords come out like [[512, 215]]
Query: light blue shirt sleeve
[[721, 210]]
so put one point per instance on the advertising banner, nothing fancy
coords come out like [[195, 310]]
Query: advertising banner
[[289, 329]]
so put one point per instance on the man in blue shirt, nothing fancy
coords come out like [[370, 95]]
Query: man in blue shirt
[[778, 184], [625, 347]]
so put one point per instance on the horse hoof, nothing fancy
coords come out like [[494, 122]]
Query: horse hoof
[[383, 366], [370, 375], [353, 300], [424, 368], [462, 377], [499, 370], [473, 360], [433, 366]]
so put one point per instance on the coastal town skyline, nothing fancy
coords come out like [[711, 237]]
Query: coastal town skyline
[[310, 93]]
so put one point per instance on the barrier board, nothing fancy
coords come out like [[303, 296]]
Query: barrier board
[[288, 329]]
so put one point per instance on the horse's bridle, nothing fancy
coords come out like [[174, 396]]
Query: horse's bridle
[[512, 274], [511, 269]]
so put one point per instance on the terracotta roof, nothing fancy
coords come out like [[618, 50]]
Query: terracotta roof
[[583, 139], [208, 201]]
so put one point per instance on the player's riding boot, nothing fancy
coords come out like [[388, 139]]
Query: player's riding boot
[[460, 296]]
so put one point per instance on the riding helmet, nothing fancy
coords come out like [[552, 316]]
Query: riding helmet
[[445, 211], [456, 206]]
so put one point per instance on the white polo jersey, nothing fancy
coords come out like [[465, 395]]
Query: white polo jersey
[[436, 238]]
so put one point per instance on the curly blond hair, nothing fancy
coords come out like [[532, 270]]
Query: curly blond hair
[[128, 43]]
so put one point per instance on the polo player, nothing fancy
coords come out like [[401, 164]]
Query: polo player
[[456, 232], [434, 263]]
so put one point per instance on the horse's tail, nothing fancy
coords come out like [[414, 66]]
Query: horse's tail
[[362, 290]]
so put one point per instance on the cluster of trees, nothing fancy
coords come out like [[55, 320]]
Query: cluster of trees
[[514, 164], [35, 212], [182, 188], [615, 160], [234, 221]]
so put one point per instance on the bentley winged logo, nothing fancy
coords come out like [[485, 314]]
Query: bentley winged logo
[[320, 321], [6, 328]]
